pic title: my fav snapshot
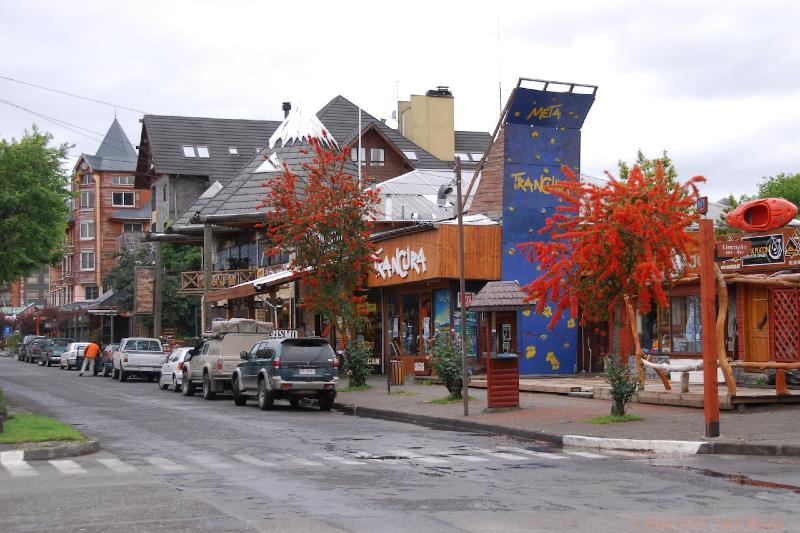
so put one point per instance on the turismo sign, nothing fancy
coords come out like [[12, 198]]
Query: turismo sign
[[401, 263]]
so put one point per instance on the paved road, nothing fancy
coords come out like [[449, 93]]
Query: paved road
[[186, 464]]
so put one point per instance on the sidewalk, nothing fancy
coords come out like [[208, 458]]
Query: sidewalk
[[763, 430]]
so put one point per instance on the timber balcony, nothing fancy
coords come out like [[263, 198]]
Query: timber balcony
[[131, 241], [193, 282]]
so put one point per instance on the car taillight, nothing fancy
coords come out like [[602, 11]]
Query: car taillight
[[336, 363], [180, 365], [125, 359], [276, 363], [219, 364]]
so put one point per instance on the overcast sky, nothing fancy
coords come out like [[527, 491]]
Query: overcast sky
[[717, 84]]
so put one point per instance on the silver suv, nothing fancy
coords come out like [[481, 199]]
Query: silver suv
[[288, 369], [213, 362]]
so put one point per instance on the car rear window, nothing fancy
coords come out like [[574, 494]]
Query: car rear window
[[298, 350], [143, 346]]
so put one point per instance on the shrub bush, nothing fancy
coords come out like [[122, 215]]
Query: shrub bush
[[356, 363], [446, 361], [623, 387]]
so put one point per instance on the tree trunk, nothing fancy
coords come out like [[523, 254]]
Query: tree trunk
[[638, 348], [617, 408], [722, 316]]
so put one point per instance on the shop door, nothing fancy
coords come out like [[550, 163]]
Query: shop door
[[785, 325], [507, 332], [756, 324]]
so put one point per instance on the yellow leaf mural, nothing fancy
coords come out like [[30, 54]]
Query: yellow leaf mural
[[548, 311], [571, 323], [530, 352], [526, 312], [553, 360]]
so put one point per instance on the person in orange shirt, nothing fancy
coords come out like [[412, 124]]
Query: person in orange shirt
[[89, 355]]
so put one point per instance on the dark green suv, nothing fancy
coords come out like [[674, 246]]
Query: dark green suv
[[287, 369]]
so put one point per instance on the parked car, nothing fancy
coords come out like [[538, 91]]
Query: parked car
[[287, 369], [24, 347], [107, 362], [69, 359], [138, 356], [53, 350], [172, 370], [37, 350], [213, 362]]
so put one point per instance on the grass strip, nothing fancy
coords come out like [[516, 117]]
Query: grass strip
[[450, 399], [37, 428], [359, 388], [612, 419]]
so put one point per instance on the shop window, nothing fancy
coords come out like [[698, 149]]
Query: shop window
[[410, 326], [685, 324], [393, 312]]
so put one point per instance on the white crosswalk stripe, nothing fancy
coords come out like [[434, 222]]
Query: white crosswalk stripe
[[208, 461], [541, 455], [340, 460], [588, 455], [469, 458], [498, 455], [420, 458], [249, 459], [165, 464], [14, 462], [116, 465], [67, 466]]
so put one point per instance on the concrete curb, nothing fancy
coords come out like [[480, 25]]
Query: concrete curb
[[449, 424], [675, 447], [56, 452], [678, 447]]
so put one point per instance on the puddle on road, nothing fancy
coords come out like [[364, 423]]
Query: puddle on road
[[741, 479]]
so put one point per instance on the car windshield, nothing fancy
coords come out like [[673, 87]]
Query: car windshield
[[59, 343]]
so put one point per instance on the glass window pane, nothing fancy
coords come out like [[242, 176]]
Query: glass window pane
[[188, 151], [686, 324], [410, 326], [202, 151]]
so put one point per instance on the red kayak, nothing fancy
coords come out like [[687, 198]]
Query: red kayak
[[762, 214]]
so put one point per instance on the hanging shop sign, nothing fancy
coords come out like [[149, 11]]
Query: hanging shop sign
[[738, 248], [773, 251], [402, 263]]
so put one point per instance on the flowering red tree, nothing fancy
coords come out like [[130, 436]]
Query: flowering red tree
[[612, 244], [324, 217]]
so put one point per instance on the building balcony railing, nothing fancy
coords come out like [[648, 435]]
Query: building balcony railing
[[131, 241], [193, 282]]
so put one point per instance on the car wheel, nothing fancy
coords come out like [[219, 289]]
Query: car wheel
[[326, 403], [162, 386], [175, 386], [106, 371], [188, 387], [265, 399], [208, 394], [115, 374], [238, 399], [123, 376], [294, 403]]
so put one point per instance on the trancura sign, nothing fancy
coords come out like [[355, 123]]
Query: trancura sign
[[404, 261]]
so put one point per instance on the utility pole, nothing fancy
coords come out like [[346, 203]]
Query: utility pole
[[462, 288], [709, 317], [157, 285], [207, 243]]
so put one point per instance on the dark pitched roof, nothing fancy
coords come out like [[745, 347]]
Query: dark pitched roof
[[499, 296], [167, 135], [472, 141], [116, 153], [340, 116], [242, 194]]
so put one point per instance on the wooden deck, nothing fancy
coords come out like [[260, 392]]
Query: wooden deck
[[654, 392]]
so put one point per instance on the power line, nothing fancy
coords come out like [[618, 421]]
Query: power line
[[116, 106], [58, 122]]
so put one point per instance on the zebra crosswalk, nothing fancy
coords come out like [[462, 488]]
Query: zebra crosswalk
[[12, 463]]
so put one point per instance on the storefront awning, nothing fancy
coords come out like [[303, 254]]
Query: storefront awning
[[251, 288]]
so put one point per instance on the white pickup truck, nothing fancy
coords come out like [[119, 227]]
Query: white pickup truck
[[138, 356]]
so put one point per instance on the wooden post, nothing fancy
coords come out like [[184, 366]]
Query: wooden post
[[462, 288], [780, 382], [158, 284], [708, 307], [207, 244]]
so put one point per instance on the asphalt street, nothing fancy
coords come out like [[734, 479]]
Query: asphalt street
[[168, 462]]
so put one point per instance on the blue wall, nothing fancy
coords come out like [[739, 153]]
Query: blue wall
[[542, 132]]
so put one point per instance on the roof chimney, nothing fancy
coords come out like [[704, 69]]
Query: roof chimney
[[287, 106]]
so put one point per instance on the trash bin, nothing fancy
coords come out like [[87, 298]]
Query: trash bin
[[396, 372], [502, 377]]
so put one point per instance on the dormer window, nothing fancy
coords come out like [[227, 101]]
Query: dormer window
[[87, 179], [376, 156], [462, 156], [188, 150], [475, 156], [202, 152], [411, 155], [233, 150], [354, 155]]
